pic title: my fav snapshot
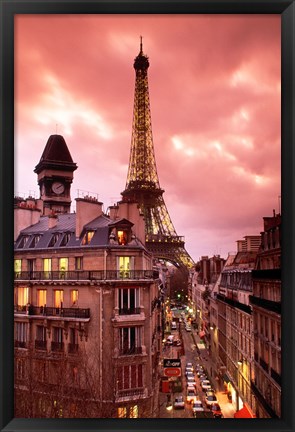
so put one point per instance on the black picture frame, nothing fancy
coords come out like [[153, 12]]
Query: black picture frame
[[8, 8]]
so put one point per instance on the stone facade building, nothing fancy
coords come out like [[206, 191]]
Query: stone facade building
[[266, 304], [87, 303]]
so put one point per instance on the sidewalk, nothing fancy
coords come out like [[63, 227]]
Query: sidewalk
[[227, 407]]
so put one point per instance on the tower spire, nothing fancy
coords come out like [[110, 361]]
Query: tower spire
[[142, 185]]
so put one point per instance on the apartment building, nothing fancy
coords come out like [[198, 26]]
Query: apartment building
[[266, 304], [87, 303]]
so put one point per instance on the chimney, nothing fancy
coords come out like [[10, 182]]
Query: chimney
[[52, 220], [113, 212], [24, 217], [87, 209]]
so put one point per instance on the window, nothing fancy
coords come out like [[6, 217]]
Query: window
[[57, 339], [20, 368], [22, 296], [122, 237], [47, 268], [17, 268], [63, 266], [124, 266], [21, 330], [73, 345], [129, 301], [87, 237], [65, 239], [78, 263], [54, 239], [133, 411], [41, 297], [130, 377], [130, 340], [58, 298], [40, 342], [34, 241], [122, 412], [74, 297], [23, 241]]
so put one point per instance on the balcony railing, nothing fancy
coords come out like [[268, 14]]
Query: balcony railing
[[76, 275], [129, 311], [266, 304], [53, 311], [73, 348], [131, 351], [20, 344], [57, 346], [131, 393], [40, 344], [277, 377]]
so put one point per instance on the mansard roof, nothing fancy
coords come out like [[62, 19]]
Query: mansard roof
[[56, 155], [40, 236]]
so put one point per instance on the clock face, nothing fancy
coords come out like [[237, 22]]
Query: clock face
[[58, 188]]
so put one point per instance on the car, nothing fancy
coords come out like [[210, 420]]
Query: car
[[203, 377], [197, 406], [189, 370], [200, 371], [188, 328], [177, 342], [210, 398], [189, 374], [178, 402], [216, 410], [189, 365], [190, 386], [191, 396], [206, 385]]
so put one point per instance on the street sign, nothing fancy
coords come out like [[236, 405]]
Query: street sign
[[172, 372], [167, 363]]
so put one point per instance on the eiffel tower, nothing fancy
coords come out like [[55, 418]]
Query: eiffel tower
[[143, 184]]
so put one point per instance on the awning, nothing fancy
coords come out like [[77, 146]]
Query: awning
[[245, 412]]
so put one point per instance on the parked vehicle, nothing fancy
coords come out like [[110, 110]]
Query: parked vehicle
[[216, 410], [210, 398], [173, 325], [178, 402], [206, 385]]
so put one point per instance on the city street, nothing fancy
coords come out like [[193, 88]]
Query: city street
[[190, 339]]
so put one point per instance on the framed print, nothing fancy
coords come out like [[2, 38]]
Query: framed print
[[147, 215]]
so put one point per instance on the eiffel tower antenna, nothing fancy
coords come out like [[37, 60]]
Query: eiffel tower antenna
[[142, 185]]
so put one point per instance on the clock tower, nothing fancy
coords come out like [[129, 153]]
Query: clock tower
[[55, 175]]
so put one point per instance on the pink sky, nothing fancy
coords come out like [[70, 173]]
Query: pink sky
[[214, 84]]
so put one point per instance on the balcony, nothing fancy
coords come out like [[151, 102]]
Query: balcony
[[129, 311], [86, 275], [40, 345], [73, 348], [131, 351], [266, 304], [20, 344], [57, 346], [53, 311], [275, 376]]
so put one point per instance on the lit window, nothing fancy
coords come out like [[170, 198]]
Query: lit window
[[41, 297], [133, 411], [78, 263], [122, 412], [17, 267], [122, 237], [63, 266], [22, 296], [47, 267], [74, 297], [87, 237], [124, 266], [58, 298]]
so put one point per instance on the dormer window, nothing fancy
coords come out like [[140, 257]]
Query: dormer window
[[66, 239], [87, 237], [54, 240], [34, 241], [23, 241], [122, 237]]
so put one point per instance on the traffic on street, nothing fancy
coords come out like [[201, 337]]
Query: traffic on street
[[190, 390]]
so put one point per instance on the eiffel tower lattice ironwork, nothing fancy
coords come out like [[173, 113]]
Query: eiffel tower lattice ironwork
[[143, 184]]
